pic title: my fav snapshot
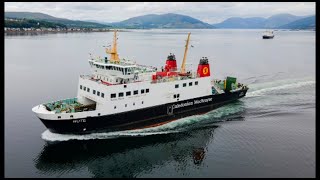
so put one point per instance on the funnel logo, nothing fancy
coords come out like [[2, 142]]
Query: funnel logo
[[205, 70]]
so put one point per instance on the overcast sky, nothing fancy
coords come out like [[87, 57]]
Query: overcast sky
[[209, 12]]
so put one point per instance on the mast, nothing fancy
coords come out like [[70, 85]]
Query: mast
[[183, 65], [113, 51]]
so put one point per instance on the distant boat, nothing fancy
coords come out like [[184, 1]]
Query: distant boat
[[268, 35]]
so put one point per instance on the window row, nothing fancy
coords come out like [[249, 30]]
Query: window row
[[125, 71], [93, 92], [126, 105], [185, 84], [128, 93]]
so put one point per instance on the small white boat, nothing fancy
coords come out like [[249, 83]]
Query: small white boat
[[268, 35]]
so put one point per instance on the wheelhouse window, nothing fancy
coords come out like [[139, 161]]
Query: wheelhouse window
[[80, 86], [128, 93], [147, 90], [113, 95], [121, 94], [184, 84], [94, 91], [98, 93], [196, 83], [135, 92], [84, 88], [88, 90], [102, 95], [142, 91], [176, 86], [190, 83]]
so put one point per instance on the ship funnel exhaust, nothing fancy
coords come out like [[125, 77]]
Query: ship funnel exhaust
[[171, 63], [203, 67]]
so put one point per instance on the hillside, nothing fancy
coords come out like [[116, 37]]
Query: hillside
[[31, 23], [304, 23], [280, 19], [242, 23], [48, 18], [169, 20], [275, 21]]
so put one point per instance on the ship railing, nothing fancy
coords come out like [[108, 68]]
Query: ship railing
[[174, 78]]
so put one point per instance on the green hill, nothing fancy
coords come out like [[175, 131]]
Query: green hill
[[163, 21], [48, 18]]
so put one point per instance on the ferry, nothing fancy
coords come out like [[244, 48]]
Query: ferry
[[268, 35], [121, 94]]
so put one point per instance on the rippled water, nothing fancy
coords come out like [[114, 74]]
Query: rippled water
[[269, 133]]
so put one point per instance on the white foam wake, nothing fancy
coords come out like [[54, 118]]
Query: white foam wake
[[278, 86], [170, 127]]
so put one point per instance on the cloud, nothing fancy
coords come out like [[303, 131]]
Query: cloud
[[210, 12]]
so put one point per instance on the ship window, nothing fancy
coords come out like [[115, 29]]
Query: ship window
[[98, 114], [142, 102], [84, 88], [71, 116], [88, 90], [121, 94], [80, 86], [98, 93], [176, 86], [147, 90], [125, 86], [190, 83], [134, 103], [135, 92], [196, 83], [113, 95], [94, 92], [102, 94], [175, 96], [102, 67], [184, 84], [125, 105], [128, 93], [59, 117], [178, 95], [115, 107], [142, 91]]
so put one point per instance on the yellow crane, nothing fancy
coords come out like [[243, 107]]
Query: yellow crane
[[113, 50], [183, 65]]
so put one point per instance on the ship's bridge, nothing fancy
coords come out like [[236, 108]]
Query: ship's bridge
[[120, 71]]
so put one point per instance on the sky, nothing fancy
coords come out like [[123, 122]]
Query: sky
[[209, 12]]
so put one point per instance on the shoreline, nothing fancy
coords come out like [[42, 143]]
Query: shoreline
[[34, 32]]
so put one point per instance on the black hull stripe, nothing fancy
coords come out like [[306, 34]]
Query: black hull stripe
[[142, 117]]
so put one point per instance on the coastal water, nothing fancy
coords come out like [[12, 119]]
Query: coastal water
[[268, 133]]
